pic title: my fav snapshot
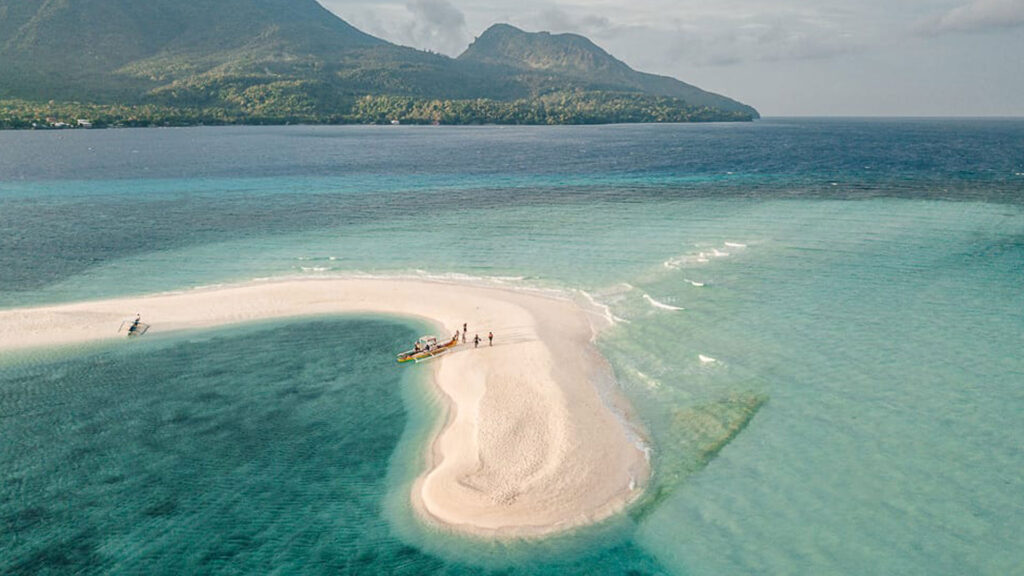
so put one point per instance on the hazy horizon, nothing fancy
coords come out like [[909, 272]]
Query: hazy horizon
[[936, 58]]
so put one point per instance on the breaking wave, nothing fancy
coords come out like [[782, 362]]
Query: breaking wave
[[661, 305]]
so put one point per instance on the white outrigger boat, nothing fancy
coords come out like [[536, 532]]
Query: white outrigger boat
[[428, 348]]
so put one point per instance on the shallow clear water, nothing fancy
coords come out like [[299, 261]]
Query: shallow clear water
[[864, 277], [241, 450]]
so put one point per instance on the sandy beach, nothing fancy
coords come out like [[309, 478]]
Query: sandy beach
[[529, 446]]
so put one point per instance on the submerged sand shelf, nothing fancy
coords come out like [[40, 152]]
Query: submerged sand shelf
[[529, 447]]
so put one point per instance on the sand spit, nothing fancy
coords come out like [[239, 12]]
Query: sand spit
[[529, 447]]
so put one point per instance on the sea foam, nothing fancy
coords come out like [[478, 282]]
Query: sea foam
[[701, 257], [605, 310]]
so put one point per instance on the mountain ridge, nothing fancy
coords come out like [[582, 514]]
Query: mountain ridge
[[577, 56], [285, 60]]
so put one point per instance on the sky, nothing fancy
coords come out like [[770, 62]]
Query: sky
[[784, 57]]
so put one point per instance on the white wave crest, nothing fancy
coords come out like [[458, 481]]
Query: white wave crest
[[661, 305], [651, 383], [706, 359], [517, 282], [694, 283], [701, 257], [605, 310]]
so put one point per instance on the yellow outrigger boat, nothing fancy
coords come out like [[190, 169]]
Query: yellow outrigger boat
[[427, 348]]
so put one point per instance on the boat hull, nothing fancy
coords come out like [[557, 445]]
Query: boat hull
[[414, 356]]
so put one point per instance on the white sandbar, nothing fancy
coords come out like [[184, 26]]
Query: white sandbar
[[529, 447]]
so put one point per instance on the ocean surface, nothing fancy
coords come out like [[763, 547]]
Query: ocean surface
[[848, 295]]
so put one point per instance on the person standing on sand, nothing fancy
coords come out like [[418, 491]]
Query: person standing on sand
[[464, 331], [490, 338], [135, 324], [476, 341]]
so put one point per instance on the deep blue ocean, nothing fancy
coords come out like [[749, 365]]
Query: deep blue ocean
[[861, 281]]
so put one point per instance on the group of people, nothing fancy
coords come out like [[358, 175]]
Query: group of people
[[428, 344], [476, 338]]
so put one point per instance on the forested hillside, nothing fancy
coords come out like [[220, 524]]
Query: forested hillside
[[172, 62]]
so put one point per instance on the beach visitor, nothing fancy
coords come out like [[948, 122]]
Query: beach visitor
[[456, 339], [476, 341], [490, 338], [465, 330]]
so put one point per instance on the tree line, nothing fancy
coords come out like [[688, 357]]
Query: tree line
[[271, 105]]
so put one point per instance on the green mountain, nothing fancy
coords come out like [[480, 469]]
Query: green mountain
[[232, 61], [571, 56], [125, 49]]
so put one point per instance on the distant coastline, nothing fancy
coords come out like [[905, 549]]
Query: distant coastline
[[268, 62], [570, 108]]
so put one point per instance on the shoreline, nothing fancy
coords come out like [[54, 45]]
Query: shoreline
[[528, 446], [257, 123]]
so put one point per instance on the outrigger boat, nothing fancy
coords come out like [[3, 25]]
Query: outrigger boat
[[427, 348], [134, 327]]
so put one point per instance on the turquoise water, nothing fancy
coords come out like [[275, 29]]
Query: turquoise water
[[857, 283], [239, 450]]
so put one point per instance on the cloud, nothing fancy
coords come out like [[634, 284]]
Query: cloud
[[717, 43], [557, 20], [648, 33], [437, 25], [977, 16]]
